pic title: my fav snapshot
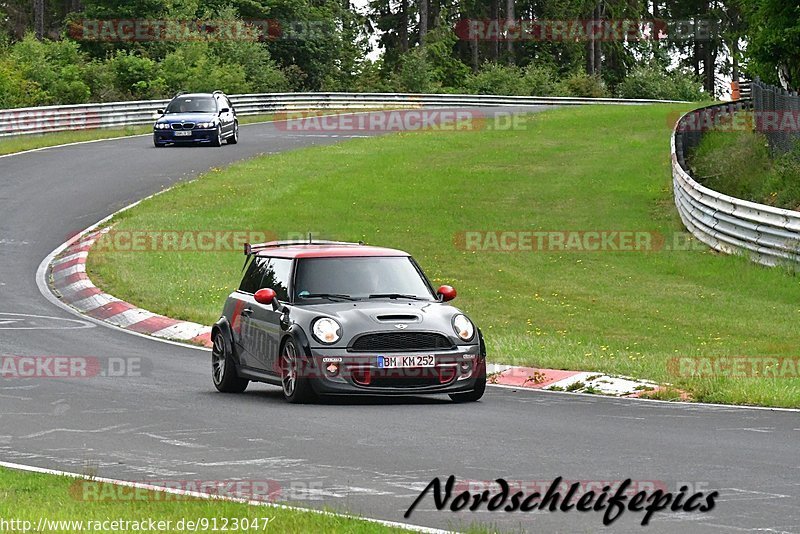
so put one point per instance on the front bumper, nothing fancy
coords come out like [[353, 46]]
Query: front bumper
[[454, 371], [205, 135]]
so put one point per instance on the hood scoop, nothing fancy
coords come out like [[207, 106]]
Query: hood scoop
[[398, 318]]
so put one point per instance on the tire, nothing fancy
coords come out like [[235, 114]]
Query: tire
[[234, 138], [477, 393], [296, 389], [157, 144], [216, 141], [223, 368]]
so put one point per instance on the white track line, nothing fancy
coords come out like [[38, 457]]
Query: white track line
[[174, 491]]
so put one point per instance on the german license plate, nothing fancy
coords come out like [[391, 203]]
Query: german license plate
[[183, 133], [393, 362]]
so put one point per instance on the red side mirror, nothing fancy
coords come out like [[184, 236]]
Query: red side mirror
[[446, 293], [265, 296]]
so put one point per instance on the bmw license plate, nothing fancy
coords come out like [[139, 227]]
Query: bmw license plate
[[393, 362], [183, 134]]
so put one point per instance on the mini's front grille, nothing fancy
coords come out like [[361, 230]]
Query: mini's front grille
[[401, 342], [184, 126]]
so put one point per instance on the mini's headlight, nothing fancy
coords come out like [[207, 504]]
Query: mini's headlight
[[326, 330], [463, 327]]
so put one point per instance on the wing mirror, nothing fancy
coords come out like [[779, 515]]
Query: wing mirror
[[446, 293], [266, 296], [224, 110], [159, 111]]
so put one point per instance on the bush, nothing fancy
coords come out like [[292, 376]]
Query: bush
[[15, 90], [496, 79], [584, 86], [539, 80], [192, 68], [652, 82], [414, 74], [261, 73], [53, 70], [136, 76]]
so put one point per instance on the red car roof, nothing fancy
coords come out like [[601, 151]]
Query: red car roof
[[329, 251]]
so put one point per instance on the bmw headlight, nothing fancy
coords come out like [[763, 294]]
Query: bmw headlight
[[463, 327], [162, 125], [326, 330]]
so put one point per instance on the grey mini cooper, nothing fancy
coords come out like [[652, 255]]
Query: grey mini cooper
[[331, 318]]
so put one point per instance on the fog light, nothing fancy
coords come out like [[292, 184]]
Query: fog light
[[332, 369], [466, 367]]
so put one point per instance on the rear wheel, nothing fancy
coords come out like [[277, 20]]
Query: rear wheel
[[477, 393], [223, 370], [296, 388]]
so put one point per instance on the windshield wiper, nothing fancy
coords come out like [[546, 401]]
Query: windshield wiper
[[395, 296], [326, 296]]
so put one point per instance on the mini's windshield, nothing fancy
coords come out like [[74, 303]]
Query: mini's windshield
[[192, 104], [359, 278]]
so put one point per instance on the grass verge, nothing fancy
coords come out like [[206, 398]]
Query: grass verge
[[739, 163], [59, 500], [586, 168]]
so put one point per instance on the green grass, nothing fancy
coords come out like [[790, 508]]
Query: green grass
[[582, 168], [739, 163], [31, 496], [21, 143]]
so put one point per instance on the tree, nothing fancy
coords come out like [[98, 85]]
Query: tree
[[773, 40]]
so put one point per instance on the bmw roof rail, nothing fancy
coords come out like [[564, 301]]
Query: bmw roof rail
[[179, 93]]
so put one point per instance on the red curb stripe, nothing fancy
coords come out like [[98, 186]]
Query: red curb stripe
[[67, 265], [104, 312], [153, 324], [69, 280], [203, 339], [74, 249], [530, 377], [84, 293]]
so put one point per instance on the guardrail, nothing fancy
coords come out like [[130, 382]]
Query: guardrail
[[116, 114], [768, 235]]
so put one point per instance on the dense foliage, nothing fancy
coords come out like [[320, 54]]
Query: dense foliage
[[46, 56]]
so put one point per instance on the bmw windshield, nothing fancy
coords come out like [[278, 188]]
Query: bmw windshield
[[194, 104], [360, 278]]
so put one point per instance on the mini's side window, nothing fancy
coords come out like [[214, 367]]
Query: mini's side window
[[252, 278], [268, 272]]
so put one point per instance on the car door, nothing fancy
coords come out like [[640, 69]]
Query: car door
[[266, 319], [225, 118], [241, 317]]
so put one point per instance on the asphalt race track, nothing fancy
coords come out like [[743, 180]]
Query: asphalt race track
[[370, 457]]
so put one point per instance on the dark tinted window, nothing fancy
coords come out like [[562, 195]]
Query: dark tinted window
[[359, 277], [251, 278], [193, 104], [268, 272]]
